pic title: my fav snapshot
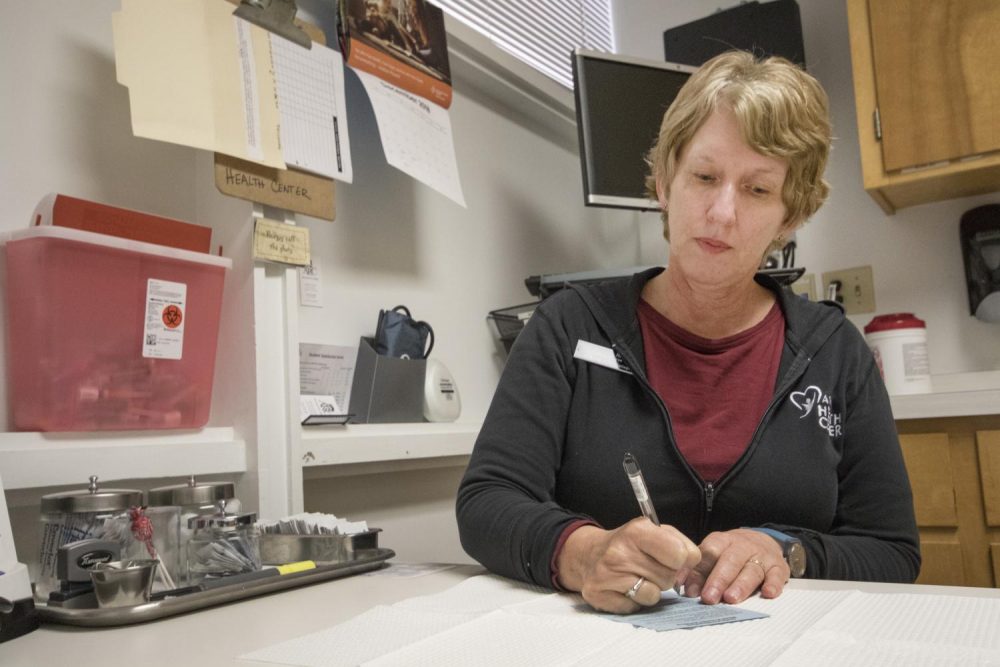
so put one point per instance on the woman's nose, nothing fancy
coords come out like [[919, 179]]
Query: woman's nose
[[722, 209]]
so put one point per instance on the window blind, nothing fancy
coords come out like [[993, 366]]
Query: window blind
[[541, 33]]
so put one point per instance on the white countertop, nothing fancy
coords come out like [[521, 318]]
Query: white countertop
[[953, 395], [219, 635]]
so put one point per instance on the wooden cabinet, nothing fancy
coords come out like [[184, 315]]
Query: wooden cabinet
[[954, 469], [927, 96]]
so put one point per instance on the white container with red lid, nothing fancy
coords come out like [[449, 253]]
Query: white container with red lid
[[899, 343]]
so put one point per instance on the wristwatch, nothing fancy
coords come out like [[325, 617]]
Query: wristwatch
[[791, 549]]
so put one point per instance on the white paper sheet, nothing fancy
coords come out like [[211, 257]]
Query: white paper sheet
[[480, 595], [416, 136], [309, 84], [503, 638], [409, 570], [310, 286], [14, 581], [648, 647], [489, 620], [316, 405], [365, 637], [327, 370], [901, 629]]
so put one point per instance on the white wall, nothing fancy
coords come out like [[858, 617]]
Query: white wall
[[66, 128], [396, 241], [915, 253]]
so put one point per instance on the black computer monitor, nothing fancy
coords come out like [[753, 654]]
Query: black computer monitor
[[620, 102]]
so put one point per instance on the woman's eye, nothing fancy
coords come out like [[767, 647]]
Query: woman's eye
[[759, 190], [704, 178]]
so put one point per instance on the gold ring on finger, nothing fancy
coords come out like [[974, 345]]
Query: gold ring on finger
[[630, 593], [756, 561]]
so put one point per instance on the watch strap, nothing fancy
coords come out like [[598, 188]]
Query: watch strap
[[782, 538], [791, 549]]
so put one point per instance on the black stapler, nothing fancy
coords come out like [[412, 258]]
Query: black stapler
[[74, 561]]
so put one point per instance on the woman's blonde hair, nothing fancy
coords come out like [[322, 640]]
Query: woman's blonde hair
[[782, 112]]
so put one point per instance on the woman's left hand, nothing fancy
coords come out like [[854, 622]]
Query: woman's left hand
[[734, 564]]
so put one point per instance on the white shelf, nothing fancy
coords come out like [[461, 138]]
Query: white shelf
[[30, 460], [957, 395], [949, 404], [374, 443]]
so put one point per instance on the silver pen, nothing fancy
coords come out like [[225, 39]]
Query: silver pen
[[642, 494], [639, 487]]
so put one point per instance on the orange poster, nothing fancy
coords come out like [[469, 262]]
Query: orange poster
[[400, 41]]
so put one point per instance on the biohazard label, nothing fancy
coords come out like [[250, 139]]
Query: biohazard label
[[163, 334]]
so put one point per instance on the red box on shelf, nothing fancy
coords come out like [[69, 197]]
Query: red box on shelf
[[106, 333], [91, 216]]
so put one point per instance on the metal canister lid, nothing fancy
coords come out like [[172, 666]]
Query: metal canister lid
[[91, 499], [191, 493], [223, 521]]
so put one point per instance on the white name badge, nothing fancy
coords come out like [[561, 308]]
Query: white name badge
[[600, 355]]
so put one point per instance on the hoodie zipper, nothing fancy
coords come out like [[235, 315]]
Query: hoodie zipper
[[710, 489], [625, 353]]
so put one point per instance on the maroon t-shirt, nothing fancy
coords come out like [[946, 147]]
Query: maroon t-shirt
[[716, 391]]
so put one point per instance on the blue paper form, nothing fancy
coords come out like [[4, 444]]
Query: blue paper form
[[675, 612]]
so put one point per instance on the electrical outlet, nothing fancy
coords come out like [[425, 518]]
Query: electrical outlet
[[854, 289], [805, 286]]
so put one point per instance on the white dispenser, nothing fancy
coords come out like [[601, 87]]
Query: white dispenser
[[441, 399]]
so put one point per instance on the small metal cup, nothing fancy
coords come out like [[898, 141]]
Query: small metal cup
[[124, 583]]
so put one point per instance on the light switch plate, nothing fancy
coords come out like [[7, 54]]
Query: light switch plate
[[855, 289], [805, 286]]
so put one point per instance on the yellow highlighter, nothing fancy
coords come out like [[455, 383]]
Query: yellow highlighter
[[298, 566]]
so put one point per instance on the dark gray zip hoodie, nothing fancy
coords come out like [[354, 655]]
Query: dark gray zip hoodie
[[824, 463]]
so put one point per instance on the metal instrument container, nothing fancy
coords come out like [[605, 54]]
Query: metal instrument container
[[277, 549], [69, 516], [222, 544], [123, 583], [189, 500]]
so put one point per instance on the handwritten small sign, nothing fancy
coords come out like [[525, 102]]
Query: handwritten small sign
[[280, 242], [281, 188]]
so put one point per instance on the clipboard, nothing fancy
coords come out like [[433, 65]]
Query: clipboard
[[287, 189]]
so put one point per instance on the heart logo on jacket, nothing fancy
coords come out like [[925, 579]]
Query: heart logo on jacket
[[806, 400]]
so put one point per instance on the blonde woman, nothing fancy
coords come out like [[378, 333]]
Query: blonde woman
[[759, 419]]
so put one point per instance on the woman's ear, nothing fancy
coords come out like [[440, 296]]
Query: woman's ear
[[661, 194], [790, 227]]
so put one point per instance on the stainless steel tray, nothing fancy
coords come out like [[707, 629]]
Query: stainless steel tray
[[277, 549], [364, 560]]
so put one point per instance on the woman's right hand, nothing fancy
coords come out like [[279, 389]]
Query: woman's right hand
[[605, 565]]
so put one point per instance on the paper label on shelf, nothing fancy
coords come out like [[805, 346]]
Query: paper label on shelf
[[310, 287], [279, 242], [318, 405], [166, 309]]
